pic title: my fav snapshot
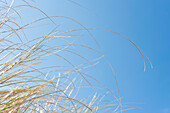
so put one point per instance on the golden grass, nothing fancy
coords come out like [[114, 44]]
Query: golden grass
[[25, 87]]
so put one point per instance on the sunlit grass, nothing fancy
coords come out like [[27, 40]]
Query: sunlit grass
[[26, 87]]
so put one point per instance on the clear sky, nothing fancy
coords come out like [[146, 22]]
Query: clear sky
[[146, 23]]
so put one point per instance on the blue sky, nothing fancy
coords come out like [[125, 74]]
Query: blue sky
[[146, 23]]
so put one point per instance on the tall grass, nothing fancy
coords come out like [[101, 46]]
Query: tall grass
[[26, 84]]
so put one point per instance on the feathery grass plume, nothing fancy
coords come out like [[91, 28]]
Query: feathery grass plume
[[28, 84]]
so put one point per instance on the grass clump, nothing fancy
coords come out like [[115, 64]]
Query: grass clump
[[28, 84]]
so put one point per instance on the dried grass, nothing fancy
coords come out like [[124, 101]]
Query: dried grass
[[25, 87]]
